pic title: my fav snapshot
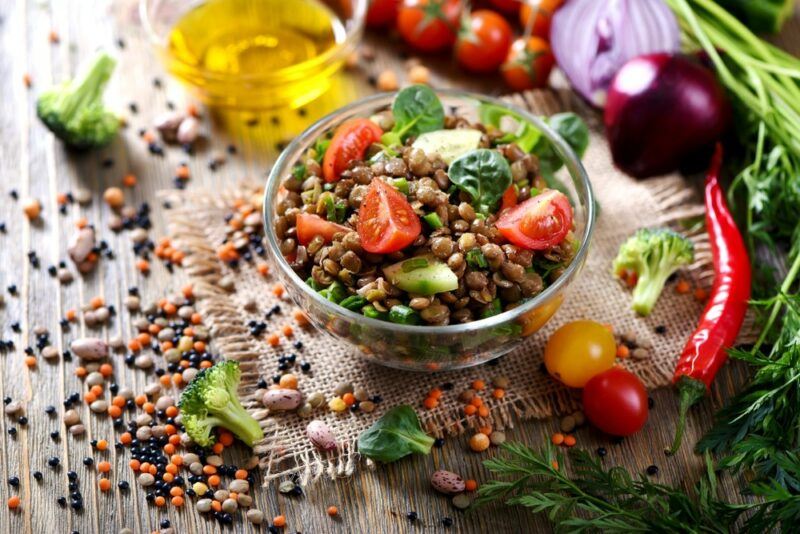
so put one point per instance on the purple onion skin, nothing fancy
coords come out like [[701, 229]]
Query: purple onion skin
[[662, 110]]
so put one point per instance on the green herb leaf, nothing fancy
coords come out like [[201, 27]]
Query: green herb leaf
[[320, 147], [476, 259], [396, 434], [416, 110], [299, 171], [484, 174]]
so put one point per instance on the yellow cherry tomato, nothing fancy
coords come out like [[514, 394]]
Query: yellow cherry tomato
[[578, 351]]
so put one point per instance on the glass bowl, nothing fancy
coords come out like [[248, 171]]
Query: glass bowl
[[432, 348], [292, 85]]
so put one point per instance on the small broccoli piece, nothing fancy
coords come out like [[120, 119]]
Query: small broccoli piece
[[210, 400], [653, 255], [74, 110]]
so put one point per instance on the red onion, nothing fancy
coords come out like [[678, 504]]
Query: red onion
[[662, 110], [592, 39]]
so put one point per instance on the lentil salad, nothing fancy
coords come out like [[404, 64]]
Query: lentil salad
[[417, 216]]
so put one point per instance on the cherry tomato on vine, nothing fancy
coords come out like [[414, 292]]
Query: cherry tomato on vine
[[350, 142], [429, 25], [528, 64], [483, 41], [539, 223], [382, 12], [309, 226], [386, 221], [578, 351], [542, 15], [510, 7], [615, 402]]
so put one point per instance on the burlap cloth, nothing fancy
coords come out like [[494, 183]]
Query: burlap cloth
[[197, 224]]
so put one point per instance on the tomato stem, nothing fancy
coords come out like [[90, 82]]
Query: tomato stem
[[690, 391]]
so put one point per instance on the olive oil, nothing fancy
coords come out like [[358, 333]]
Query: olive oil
[[256, 53]]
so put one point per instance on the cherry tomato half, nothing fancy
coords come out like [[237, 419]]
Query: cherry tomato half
[[386, 221], [510, 7], [539, 223], [382, 12], [543, 14], [429, 25], [528, 64], [483, 41], [309, 226], [509, 199], [350, 142], [615, 401], [578, 351]]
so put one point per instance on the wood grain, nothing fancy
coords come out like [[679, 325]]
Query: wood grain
[[35, 165]]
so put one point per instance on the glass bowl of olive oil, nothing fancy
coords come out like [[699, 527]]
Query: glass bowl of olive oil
[[254, 54]]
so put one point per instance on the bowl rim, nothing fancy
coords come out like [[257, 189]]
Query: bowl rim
[[551, 291], [348, 45]]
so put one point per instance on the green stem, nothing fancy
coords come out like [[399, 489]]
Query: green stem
[[690, 392], [776, 308]]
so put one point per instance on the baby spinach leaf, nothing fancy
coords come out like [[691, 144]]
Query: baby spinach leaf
[[395, 435], [484, 174], [573, 130], [416, 110], [526, 134]]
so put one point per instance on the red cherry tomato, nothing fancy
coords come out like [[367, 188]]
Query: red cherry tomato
[[349, 143], [429, 25], [538, 223], [542, 15], [309, 226], [483, 41], [382, 12], [528, 64], [509, 199], [510, 7], [615, 401], [386, 221]]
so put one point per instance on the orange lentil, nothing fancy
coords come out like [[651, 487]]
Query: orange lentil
[[436, 393], [153, 328], [102, 445], [106, 369], [213, 481], [169, 448], [216, 505], [205, 364], [134, 345], [700, 294], [485, 430], [470, 485], [167, 477], [61, 199], [177, 501], [160, 501], [288, 381], [196, 318], [177, 379], [478, 385], [182, 172], [279, 521], [557, 438], [140, 400], [170, 429], [80, 372], [476, 401], [105, 484], [30, 361], [175, 491], [176, 459], [188, 291], [469, 409], [89, 397], [226, 438], [145, 467], [273, 340], [199, 346], [97, 302], [104, 467], [349, 399], [263, 269], [70, 315], [240, 474], [483, 411], [118, 401], [149, 407], [114, 412], [332, 511], [144, 338], [172, 469], [170, 309], [277, 290], [53, 37], [129, 180], [569, 440], [175, 440], [209, 469], [152, 469], [683, 286], [126, 438], [498, 393], [134, 464], [171, 411], [218, 448], [429, 403], [13, 502], [623, 351], [554, 463], [143, 266], [97, 390], [27, 80], [165, 380], [287, 330], [177, 256], [300, 317]]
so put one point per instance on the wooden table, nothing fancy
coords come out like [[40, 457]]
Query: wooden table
[[34, 165]]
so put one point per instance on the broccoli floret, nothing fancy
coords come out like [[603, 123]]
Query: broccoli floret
[[210, 400], [653, 255], [74, 110]]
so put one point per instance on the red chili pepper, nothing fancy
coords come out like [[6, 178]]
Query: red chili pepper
[[705, 352]]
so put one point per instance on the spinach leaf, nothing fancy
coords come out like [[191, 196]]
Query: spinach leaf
[[526, 134], [484, 174], [395, 435], [573, 130], [416, 110]]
